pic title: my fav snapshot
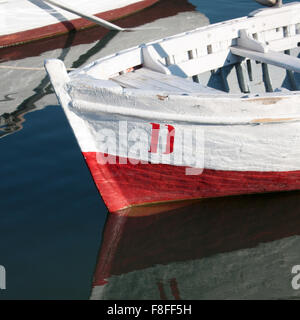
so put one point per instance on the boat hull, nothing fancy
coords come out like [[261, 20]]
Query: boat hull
[[138, 161], [61, 27], [148, 136], [123, 185], [152, 147]]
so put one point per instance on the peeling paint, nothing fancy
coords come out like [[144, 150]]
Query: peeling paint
[[274, 120], [266, 100], [162, 98]]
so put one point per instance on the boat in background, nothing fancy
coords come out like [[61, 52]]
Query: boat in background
[[28, 20], [192, 115], [161, 9], [225, 248], [77, 49]]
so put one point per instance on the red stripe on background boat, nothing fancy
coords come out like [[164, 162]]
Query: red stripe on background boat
[[53, 29], [160, 10]]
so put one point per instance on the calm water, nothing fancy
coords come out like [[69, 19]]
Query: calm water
[[52, 218]]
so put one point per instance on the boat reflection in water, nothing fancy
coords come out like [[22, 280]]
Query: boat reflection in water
[[227, 248]]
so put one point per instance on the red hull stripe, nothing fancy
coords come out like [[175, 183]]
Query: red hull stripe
[[66, 26], [124, 185]]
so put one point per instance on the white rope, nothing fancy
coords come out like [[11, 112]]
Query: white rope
[[28, 68]]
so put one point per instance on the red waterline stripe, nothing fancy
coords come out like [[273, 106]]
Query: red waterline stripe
[[123, 185]]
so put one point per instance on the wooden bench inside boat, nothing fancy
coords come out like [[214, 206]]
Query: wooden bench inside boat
[[147, 79], [250, 48], [271, 57]]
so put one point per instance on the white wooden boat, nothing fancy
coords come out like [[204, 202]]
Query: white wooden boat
[[24, 20], [149, 133]]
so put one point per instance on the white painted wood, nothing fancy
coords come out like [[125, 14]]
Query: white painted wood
[[281, 90], [167, 55], [246, 42], [179, 82], [147, 79], [212, 61], [138, 81], [59, 78], [275, 58], [284, 43], [242, 77], [57, 73], [259, 132], [152, 60], [227, 31], [104, 68], [228, 146], [203, 64]]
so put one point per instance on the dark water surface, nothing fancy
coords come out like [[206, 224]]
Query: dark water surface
[[51, 215], [52, 218]]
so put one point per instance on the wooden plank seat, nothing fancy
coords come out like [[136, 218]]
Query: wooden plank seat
[[271, 57], [147, 79]]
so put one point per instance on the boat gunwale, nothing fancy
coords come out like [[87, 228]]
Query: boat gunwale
[[181, 36], [266, 99]]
